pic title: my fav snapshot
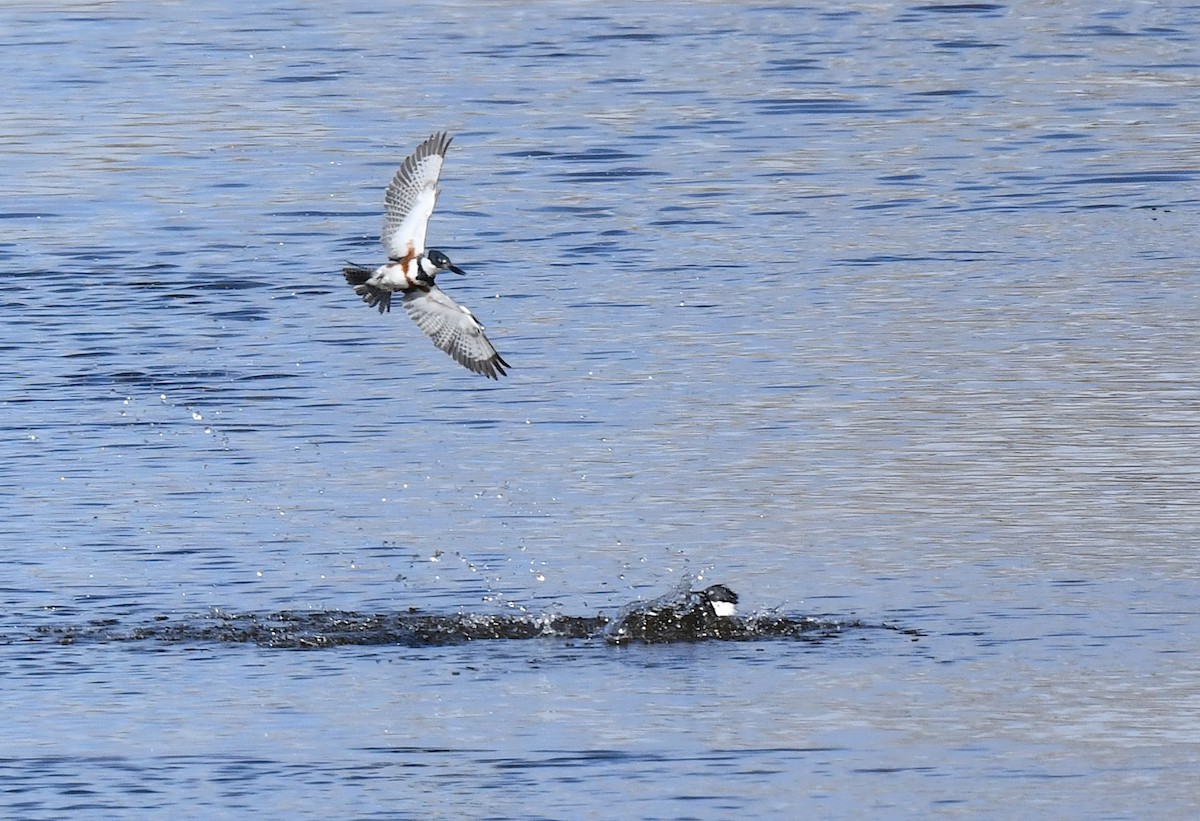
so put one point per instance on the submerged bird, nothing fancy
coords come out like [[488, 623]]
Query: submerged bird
[[721, 599], [411, 269]]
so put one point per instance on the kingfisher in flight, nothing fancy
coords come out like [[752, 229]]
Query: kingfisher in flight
[[411, 269]]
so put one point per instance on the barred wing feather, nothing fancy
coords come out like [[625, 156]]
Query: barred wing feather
[[455, 330], [411, 196]]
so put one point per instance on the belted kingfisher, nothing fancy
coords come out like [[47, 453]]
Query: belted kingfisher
[[411, 269], [721, 599]]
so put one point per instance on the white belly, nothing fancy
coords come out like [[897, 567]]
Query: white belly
[[394, 276]]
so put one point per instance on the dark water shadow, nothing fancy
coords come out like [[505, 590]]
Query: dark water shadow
[[682, 616]]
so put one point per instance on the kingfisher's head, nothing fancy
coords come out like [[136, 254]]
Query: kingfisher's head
[[437, 261], [721, 599]]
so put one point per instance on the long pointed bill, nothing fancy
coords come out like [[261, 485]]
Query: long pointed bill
[[458, 270]]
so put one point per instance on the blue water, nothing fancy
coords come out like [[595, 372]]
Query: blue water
[[879, 313]]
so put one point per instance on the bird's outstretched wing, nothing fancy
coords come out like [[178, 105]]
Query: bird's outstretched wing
[[455, 330], [411, 196]]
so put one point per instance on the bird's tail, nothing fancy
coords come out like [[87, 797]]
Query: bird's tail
[[357, 276]]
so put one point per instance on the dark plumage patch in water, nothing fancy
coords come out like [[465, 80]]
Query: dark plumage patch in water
[[679, 617]]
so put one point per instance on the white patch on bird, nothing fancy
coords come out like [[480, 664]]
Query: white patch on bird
[[724, 609]]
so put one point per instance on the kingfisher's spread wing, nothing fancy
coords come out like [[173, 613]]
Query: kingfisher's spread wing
[[455, 330], [411, 196]]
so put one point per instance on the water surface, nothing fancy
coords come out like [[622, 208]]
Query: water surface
[[871, 313]]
